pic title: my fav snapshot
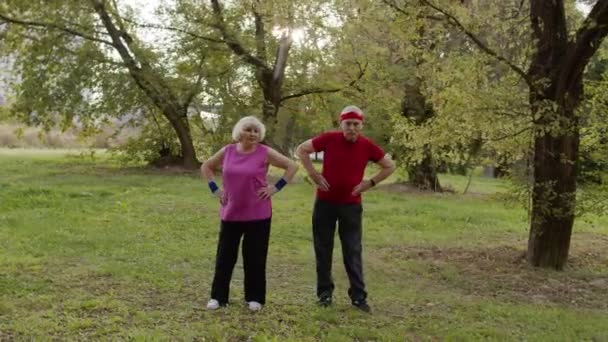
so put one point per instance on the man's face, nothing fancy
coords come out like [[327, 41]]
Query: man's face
[[351, 128]]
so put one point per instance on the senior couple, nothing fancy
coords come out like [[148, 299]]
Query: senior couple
[[246, 210]]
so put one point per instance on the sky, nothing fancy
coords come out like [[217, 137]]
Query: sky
[[146, 8], [583, 7]]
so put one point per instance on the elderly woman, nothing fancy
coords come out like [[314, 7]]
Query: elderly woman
[[245, 210]]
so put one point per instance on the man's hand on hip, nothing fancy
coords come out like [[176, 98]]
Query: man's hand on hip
[[320, 181], [362, 187]]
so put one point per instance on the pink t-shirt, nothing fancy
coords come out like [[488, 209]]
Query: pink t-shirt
[[244, 174]]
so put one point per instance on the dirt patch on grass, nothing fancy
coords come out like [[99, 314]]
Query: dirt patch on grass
[[503, 273], [406, 188]]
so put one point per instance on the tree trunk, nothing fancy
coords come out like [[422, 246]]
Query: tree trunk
[[554, 189], [271, 96], [424, 175], [271, 91], [284, 134], [554, 78], [553, 199], [271, 82], [555, 75], [188, 153], [270, 117], [152, 84]]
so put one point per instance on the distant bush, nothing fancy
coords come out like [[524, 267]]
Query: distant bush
[[15, 135], [7, 137]]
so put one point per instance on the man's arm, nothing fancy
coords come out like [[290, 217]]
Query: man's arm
[[303, 152], [387, 167]]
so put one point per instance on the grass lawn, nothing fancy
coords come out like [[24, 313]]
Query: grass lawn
[[89, 250]]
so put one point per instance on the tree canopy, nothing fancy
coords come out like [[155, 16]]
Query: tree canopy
[[446, 85]]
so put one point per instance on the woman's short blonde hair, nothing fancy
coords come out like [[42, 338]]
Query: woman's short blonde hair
[[248, 121]]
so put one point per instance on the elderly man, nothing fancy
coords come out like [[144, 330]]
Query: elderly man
[[339, 187]]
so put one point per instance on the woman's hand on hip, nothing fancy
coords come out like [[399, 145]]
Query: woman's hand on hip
[[221, 196], [267, 191]]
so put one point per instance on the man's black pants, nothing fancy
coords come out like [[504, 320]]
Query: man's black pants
[[255, 250], [324, 218]]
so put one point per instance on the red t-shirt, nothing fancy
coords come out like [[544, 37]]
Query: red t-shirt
[[344, 164]]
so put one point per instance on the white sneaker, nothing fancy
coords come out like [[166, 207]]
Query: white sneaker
[[213, 304], [254, 306]]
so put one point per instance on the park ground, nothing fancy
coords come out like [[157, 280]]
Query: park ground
[[93, 250]]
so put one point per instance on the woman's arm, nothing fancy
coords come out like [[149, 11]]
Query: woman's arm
[[279, 160], [212, 164], [207, 172]]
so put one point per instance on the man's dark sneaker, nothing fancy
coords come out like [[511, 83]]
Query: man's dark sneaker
[[325, 301], [362, 305]]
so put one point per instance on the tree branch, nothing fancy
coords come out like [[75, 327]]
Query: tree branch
[[507, 136], [94, 30], [483, 47], [311, 91], [174, 29], [280, 63], [234, 45], [197, 84], [99, 59], [510, 112], [281, 60], [196, 89], [260, 35], [120, 23], [588, 39], [53, 26], [149, 81], [394, 6], [116, 36]]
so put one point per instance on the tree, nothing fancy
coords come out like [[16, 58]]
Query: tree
[[371, 34], [556, 77], [416, 107], [270, 71], [555, 81], [63, 52], [448, 123]]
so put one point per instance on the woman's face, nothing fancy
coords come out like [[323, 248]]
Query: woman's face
[[250, 134]]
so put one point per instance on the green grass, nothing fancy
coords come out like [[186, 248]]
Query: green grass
[[89, 250]]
